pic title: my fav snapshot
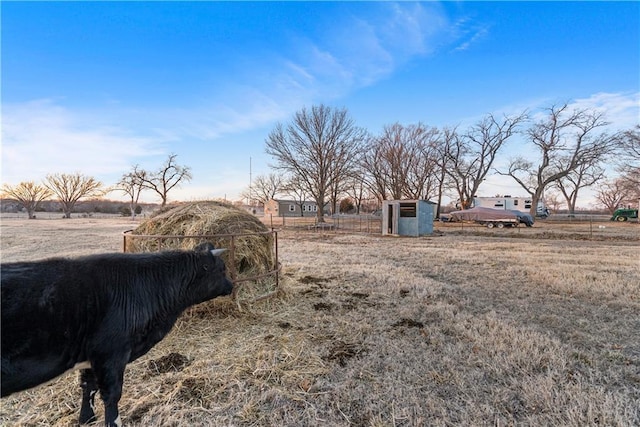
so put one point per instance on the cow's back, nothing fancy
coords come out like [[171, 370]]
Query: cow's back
[[44, 319]]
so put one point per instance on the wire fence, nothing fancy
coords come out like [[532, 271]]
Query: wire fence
[[60, 215], [334, 223]]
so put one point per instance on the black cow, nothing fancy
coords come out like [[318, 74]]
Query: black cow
[[97, 313]]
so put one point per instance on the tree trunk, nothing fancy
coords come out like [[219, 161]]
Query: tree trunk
[[439, 205], [537, 195]]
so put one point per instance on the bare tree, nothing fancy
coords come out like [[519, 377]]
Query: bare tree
[[294, 188], [583, 176], [339, 181], [28, 194], [630, 140], [442, 149], [554, 200], [356, 189], [70, 188], [166, 178], [629, 160], [264, 188], [374, 166], [565, 141], [396, 154], [400, 161], [470, 156], [612, 194], [318, 147], [132, 184], [423, 170]]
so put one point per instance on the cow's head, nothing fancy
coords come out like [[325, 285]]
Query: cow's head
[[211, 278]]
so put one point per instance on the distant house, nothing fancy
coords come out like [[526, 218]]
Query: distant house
[[277, 207]]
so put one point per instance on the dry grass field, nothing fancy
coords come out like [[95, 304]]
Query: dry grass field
[[473, 327]]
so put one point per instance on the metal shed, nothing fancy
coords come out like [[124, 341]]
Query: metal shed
[[407, 217]]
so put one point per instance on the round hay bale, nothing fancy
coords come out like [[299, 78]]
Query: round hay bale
[[251, 246]]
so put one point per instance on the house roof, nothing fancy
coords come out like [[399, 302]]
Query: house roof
[[413, 200], [293, 201]]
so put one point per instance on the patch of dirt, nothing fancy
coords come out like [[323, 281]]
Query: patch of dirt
[[314, 293], [192, 389], [408, 323], [138, 412], [284, 325], [359, 295], [172, 362], [321, 306], [342, 351], [312, 280], [354, 300], [348, 306]]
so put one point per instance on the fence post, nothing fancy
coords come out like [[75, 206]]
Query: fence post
[[276, 266]]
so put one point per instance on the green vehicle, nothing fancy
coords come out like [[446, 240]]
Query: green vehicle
[[624, 215]]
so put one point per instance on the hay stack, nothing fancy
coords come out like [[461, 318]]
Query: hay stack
[[253, 254]]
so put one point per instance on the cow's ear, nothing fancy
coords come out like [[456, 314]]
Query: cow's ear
[[217, 252], [204, 247]]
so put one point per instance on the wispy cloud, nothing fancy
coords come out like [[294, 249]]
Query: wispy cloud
[[358, 51], [622, 110], [472, 38], [465, 33], [42, 137], [407, 29], [251, 108]]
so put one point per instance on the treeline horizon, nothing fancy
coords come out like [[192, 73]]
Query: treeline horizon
[[117, 207], [97, 205]]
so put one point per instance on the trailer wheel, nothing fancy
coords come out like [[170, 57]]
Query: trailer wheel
[[500, 225], [490, 225]]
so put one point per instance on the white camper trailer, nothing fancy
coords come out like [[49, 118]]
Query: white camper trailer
[[522, 204]]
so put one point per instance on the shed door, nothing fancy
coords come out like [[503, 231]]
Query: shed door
[[393, 214]]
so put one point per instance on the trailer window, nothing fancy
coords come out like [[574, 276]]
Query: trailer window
[[499, 205], [407, 210], [515, 202]]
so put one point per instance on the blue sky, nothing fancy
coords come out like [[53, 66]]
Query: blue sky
[[97, 87]]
